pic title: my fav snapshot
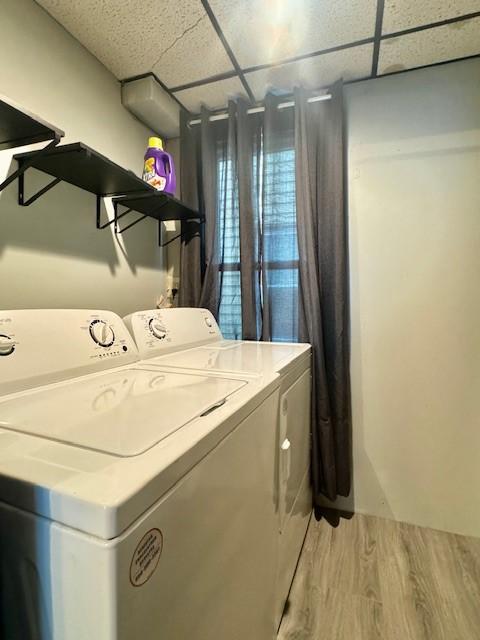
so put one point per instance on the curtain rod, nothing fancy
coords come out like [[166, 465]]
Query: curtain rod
[[282, 105]]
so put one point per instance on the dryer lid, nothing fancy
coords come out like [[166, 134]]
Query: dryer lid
[[122, 413], [239, 357]]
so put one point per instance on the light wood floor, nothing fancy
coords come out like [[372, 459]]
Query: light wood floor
[[371, 578]]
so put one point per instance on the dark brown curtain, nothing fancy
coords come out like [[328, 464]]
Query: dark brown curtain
[[222, 179], [191, 192], [323, 254], [271, 187]]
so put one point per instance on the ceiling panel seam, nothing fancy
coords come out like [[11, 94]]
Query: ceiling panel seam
[[239, 72], [227, 48], [422, 66], [198, 83], [431, 25], [314, 54], [260, 67], [178, 38], [288, 96], [378, 35]]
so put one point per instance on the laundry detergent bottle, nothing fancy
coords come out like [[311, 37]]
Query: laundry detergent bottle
[[158, 169]]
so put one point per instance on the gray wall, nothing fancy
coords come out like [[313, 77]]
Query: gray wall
[[414, 207], [414, 219], [51, 255]]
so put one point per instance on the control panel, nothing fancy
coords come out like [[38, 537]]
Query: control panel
[[39, 346], [102, 333], [160, 331], [157, 328]]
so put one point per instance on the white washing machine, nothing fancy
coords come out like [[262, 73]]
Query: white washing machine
[[136, 503], [190, 339]]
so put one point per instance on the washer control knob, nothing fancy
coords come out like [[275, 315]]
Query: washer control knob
[[208, 321], [7, 346], [102, 333], [157, 328]]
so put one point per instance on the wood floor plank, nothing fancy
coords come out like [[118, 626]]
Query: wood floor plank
[[302, 609], [407, 593], [338, 616], [374, 578], [353, 561], [451, 563]]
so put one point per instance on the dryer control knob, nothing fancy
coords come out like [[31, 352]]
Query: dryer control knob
[[208, 321], [7, 345], [102, 333], [157, 328]]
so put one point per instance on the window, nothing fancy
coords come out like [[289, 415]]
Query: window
[[280, 248], [230, 312], [274, 191]]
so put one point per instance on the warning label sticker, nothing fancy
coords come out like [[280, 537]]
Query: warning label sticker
[[146, 556]]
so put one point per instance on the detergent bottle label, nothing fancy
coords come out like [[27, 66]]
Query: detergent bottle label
[[151, 176]]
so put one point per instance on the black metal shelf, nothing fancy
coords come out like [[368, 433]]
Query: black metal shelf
[[158, 205], [19, 127], [85, 168]]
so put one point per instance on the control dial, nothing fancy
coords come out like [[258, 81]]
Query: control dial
[[7, 346], [208, 321], [102, 333], [157, 328]]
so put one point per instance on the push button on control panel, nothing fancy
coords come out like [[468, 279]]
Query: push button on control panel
[[102, 333], [157, 328], [7, 346]]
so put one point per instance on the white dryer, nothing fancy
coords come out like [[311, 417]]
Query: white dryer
[[135, 501], [190, 339]]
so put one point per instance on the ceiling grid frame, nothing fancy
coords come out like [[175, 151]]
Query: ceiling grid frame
[[377, 36], [387, 21], [228, 49], [430, 25]]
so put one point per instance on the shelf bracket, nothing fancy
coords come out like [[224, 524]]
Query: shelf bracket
[[118, 217], [180, 235], [21, 191], [129, 226], [23, 166], [115, 219], [153, 214], [165, 244]]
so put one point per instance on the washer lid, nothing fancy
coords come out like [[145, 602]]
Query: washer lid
[[122, 413], [233, 356]]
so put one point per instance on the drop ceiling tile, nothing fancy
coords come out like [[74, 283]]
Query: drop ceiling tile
[[313, 73], [174, 39], [214, 95], [457, 40], [405, 14], [266, 31]]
